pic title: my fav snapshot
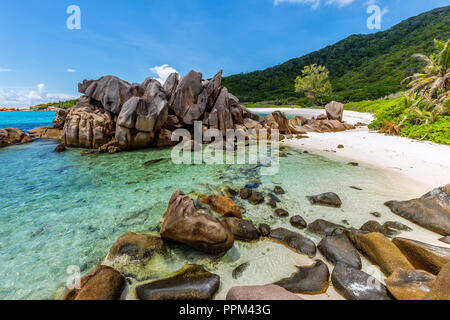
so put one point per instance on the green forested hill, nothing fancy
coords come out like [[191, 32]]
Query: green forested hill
[[362, 67]]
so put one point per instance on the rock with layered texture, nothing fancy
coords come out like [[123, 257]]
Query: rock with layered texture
[[379, 250], [410, 284], [261, 293], [184, 223], [354, 284], [192, 282], [102, 283], [308, 280], [431, 211], [335, 111], [424, 256], [60, 119], [50, 133], [88, 125], [12, 136]]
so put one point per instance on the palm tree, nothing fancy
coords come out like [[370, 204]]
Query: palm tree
[[431, 90]]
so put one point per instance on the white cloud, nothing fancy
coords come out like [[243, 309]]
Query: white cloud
[[163, 72], [5, 70], [316, 3], [25, 97], [71, 70]]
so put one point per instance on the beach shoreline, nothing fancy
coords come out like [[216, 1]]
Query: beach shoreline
[[424, 162]]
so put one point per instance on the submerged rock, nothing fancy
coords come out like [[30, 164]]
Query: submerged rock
[[298, 222], [256, 198], [282, 213], [223, 205], [279, 190], [184, 223], [12, 136], [60, 148], [354, 284], [329, 199], [295, 241], [102, 283], [264, 229], [323, 227], [192, 282], [441, 287], [240, 270], [245, 193], [308, 280], [337, 248], [260, 293], [136, 246], [242, 229], [410, 284], [379, 250], [424, 256], [432, 211], [445, 240]]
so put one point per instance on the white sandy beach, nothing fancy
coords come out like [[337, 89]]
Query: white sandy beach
[[425, 162]]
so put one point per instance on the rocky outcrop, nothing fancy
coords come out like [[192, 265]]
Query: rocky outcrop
[[222, 205], [335, 111], [431, 211], [136, 114], [12, 136], [308, 280], [337, 248], [136, 246], [242, 229], [88, 125], [102, 283], [60, 119], [441, 288], [354, 284], [389, 229], [184, 223], [192, 282], [323, 126], [279, 121], [424, 256], [410, 284], [50, 133], [295, 241], [261, 293], [380, 250], [329, 199]]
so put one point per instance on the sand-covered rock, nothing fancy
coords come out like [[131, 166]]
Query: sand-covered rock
[[192, 282], [186, 224], [424, 256], [380, 250], [102, 283]]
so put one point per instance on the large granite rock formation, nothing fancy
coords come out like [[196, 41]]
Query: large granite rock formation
[[11, 136], [335, 111], [135, 114], [186, 224]]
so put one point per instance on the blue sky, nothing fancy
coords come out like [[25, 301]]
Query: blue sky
[[42, 60]]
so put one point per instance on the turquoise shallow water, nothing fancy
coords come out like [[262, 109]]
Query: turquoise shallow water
[[26, 120], [60, 210]]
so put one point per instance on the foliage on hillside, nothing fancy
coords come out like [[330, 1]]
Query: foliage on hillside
[[362, 67], [398, 112], [62, 105]]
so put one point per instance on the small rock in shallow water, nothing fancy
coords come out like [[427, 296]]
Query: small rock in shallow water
[[274, 198], [354, 284], [445, 240], [240, 270], [353, 164], [264, 229], [279, 190], [298, 222], [323, 227], [308, 280], [245, 193], [410, 284], [372, 226], [376, 214], [282, 213], [295, 241], [136, 246], [222, 205], [242, 229], [356, 188], [60, 148], [192, 282], [329, 199], [272, 204], [256, 198]]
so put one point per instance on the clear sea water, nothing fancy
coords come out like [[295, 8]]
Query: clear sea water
[[60, 210], [26, 120]]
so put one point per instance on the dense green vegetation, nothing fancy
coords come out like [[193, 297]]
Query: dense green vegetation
[[362, 67], [62, 105], [397, 113]]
